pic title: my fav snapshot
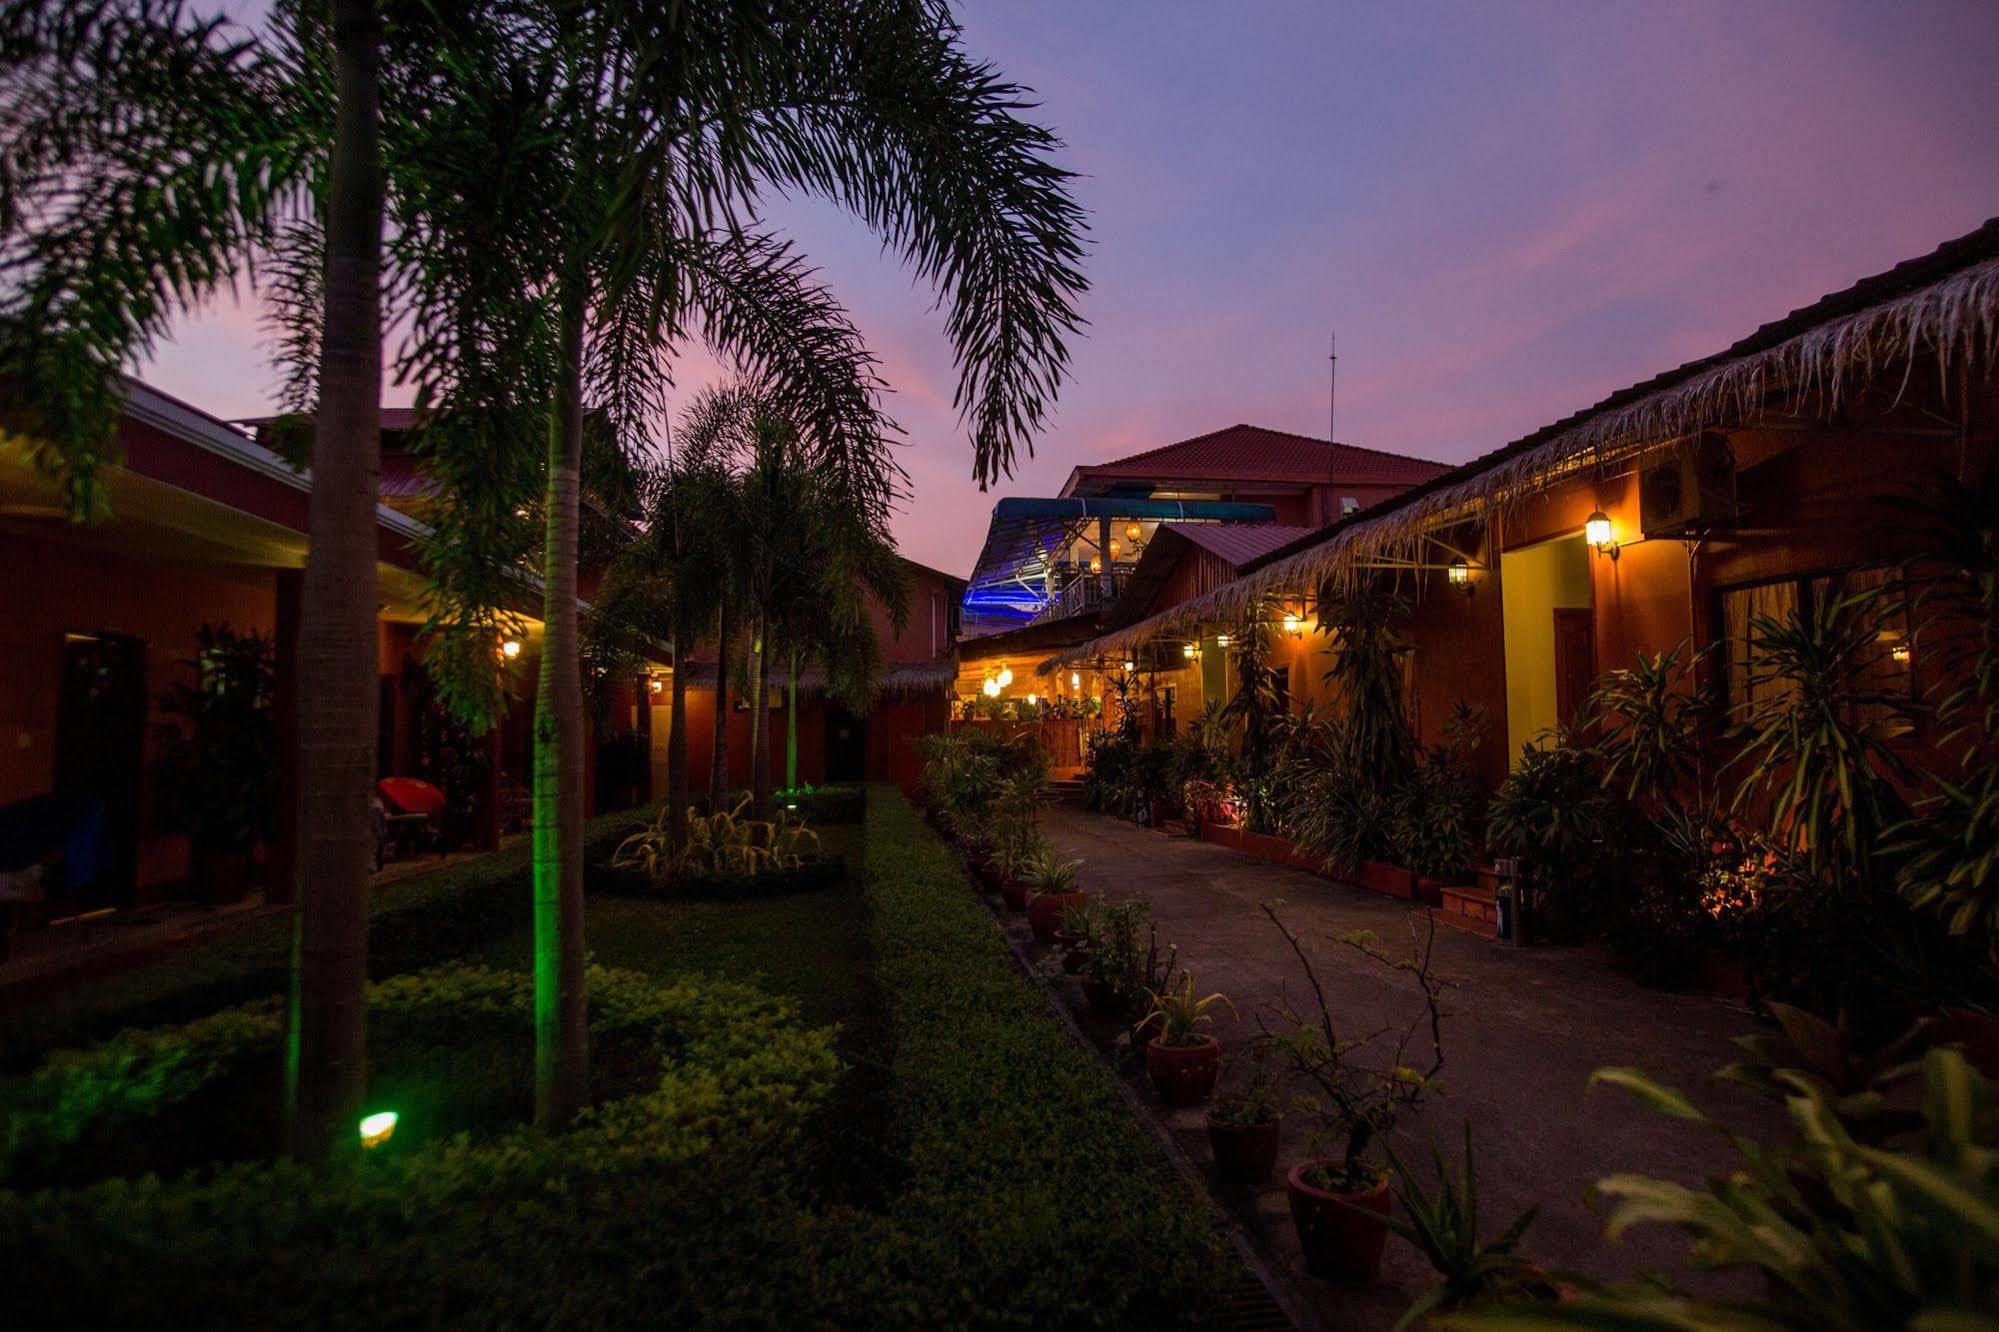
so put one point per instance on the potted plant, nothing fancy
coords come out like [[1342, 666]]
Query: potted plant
[[1243, 1128], [1052, 890], [218, 758], [1182, 1059], [1443, 1227], [1120, 970], [1082, 929], [1339, 1199]]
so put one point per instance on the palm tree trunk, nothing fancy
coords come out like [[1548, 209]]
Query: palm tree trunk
[[562, 1056], [759, 722], [718, 768], [326, 1052], [676, 743], [791, 728]]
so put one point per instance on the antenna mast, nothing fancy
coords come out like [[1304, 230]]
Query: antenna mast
[[1332, 385]]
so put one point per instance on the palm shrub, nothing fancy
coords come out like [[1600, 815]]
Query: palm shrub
[[1437, 810], [1555, 811], [1443, 1226], [1649, 717], [1366, 674]]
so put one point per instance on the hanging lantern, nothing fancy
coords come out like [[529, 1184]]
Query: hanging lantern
[[992, 687], [1096, 564], [1221, 640], [1115, 548], [1005, 675], [1188, 650], [1132, 531], [656, 684]]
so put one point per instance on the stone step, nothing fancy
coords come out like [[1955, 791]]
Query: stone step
[[1478, 929], [1473, 908]]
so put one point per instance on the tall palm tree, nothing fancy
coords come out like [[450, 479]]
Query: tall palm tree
[[149, 153]]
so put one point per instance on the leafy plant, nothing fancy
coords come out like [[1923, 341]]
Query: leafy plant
[[1443, 1227], [1359, 1098], [1129, 967], [1828, 776], [1437, 809], [218, 750], [1085, 919], [1180, 1015], [1649, 718], [1366, 675], [1553, 809], [1842, 1235], [1051, 874], [1260, 1100], [723, 843]]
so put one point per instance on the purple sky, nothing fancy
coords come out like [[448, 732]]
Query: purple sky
[[1507, 210]]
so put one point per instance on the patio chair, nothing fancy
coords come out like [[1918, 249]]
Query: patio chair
[[411, 807]]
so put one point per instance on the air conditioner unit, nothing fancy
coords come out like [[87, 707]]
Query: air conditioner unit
[[1691, 491]]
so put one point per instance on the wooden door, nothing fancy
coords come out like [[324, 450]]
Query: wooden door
[[1575, 660]]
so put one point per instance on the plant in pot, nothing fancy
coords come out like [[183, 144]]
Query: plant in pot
[[1082, 930], [1443, 1227], [218, 757], [1051, 884], [1244, 1126], [1359, 1086], [1182, 1059], [1121, 968], [1435, 826]]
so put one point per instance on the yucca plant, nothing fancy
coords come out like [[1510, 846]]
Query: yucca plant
[[1443, 1227], [1180, 1015], [1649, 721], [1050, 874]]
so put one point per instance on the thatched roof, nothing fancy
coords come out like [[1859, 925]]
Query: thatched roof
[[1943, 307]]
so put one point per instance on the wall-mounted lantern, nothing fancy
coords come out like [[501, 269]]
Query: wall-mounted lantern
[[1128, 667], [511, 648], [1221, 640], [1292, 624], [1188, 650], [991, 687], [656, 684], [1596, 531]]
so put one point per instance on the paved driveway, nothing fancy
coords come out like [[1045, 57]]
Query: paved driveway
[[1526, 1027]]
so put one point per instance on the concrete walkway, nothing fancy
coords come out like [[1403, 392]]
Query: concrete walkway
[[1525, 1029]]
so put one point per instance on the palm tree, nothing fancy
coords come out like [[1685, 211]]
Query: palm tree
[[664, 125], [126, 200]]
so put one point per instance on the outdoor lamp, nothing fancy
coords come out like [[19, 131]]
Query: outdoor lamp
[[992, 687], [1291, 623], [1005, 675], [1127, 666], [656, 684], [1221, 640], [1900, 654], [378, 1128], [1075, 679], [1033, 699], [1459, 573], [1187, 651], [1096, 564], [1131, 531], [1115, 547], [1596, 531], [511, 648]]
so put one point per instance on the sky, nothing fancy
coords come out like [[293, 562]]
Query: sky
[[1506, 210]]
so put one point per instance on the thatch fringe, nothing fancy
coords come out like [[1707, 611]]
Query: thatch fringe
[[1955, 317], [896, 679]]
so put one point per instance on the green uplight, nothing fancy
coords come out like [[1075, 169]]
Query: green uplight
[[378, 1128]]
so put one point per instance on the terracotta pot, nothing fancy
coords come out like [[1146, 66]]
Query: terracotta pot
[[1044, 912], [1142, 1034], [1340, 1244], [1015, 895], [1245, 1153], [1183, 1074]]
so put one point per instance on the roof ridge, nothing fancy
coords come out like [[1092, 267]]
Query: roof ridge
[[1157, 449]]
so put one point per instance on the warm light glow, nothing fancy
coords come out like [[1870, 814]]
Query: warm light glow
[[992, 688], [1187, 650], [657, 685], [510, 649], [1005, 675], [1596, 529], [1900, 652], [1131, 531], [1096, 564], [1221, 640], [1128, 667], [378, 1128], [1460, 572], [1115, 547], [1033, 699], [1291, 623], [1075, 679]]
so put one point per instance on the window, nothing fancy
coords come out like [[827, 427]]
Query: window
[[1887, 673]]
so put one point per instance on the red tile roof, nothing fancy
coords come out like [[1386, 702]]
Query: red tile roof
[[1253, 453], [1237, 543]]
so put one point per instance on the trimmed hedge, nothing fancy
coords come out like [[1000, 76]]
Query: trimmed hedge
[[606, 1223], [1033, 1198], [840, 803], [412, 924]]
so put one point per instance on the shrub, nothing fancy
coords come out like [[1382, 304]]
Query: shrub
[[588, 1227], [1025, 1167]]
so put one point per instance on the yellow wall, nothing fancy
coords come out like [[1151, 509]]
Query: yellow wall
[[1534, 583]]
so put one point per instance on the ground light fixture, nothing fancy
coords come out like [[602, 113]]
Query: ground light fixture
[[1596, 531], [377, 1128]]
